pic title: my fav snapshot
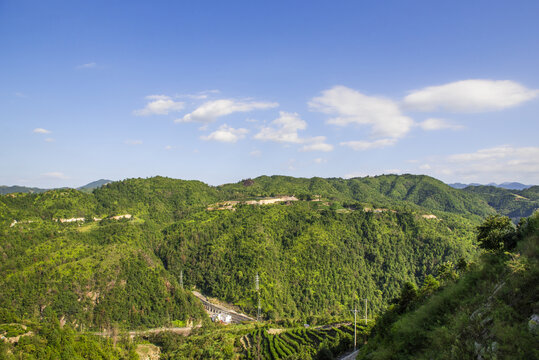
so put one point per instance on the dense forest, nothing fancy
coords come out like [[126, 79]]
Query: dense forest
[[490, 311], [127, 255]]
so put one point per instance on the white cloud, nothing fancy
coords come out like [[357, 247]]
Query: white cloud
[[285, 130], [474, 95], [320, 160], [432, 124], [87, 66], [168, 147], [42, 131], [227, 134], [496, 164], [199, 95], [350, 106], [50, 140], [159, 105], [318, 146], [255, 153], [133, 142], [211, 110], [367, 145], [54, 175], [291, 164]]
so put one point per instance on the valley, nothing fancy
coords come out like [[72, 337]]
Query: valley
[[131, 260]]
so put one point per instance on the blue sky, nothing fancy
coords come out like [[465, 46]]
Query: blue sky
[[225, 90]]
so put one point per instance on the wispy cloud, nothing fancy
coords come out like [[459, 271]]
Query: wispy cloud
[[476, 95], [226, 134], [432, 124], [20, 95], [201, 95], [90, 65], [367, 145], [350, 106], [133, 142], [495, 164], [387, 122], [317, 144], [41, 131], [285, 130], [159, 105], [50, 140], [54, 175], [212, 110]]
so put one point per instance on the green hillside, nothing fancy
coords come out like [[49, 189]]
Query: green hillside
[[489, 313], [512, 203], [311, 261], [378, 191], [19, 189], [114, 258]]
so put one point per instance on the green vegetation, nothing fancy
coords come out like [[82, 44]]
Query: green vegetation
[[487, 312], [112, 259], [390, 191], [312, 262], [512, 203], [300, 343], [49, 340], [19, 189], [259, 342]]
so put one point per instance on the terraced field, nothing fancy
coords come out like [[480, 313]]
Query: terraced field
[[300, 342]]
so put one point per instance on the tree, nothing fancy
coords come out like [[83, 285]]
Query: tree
[[497, 233]]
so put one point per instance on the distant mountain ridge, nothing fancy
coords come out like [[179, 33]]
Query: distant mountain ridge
[[94, 185], [31, 190], [506, 185], [20, 189]]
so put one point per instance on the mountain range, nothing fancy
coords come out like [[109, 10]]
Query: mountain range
[[505, 185], [128, 254]]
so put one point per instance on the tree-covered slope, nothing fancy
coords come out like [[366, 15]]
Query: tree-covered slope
[[491, 312], [377, 191], [512, 203], [311, 261], [159, 198], [71, 254], [99, 275], [308, 254], [19, 189]]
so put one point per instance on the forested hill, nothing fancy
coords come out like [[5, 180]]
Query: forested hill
[[512, 203], [114, 258], [488, 311], [19, 189], [378, 191]]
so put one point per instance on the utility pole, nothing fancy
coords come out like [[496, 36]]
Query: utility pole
[[355, 332], [181, 279], [365, 311], [257, 287]]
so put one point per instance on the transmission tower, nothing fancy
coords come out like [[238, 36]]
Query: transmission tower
[[257, 287]]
